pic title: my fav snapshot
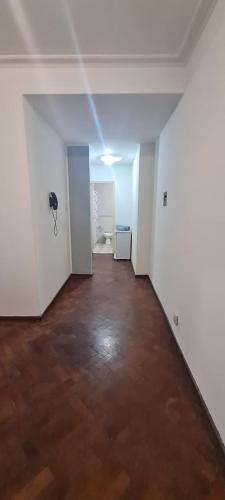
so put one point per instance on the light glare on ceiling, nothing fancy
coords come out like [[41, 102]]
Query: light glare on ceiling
[[109, 159]]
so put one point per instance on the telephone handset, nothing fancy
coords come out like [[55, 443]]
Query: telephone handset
[[53, 201], [53, 204]]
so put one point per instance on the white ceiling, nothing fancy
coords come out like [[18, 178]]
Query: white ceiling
[[116, 122], [102, 29]]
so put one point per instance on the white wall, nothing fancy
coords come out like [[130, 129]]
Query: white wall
[[121, 175], [189, 255], [143, 189], [48, 172], [18, 277], [153, 210], [18, 271], [135, 197], [80, 211]]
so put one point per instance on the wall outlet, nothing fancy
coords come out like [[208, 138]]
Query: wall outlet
[[176, 319]]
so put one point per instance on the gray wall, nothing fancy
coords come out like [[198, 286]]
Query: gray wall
[[80, 218]]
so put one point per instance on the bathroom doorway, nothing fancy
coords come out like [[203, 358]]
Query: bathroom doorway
[[102, 216]]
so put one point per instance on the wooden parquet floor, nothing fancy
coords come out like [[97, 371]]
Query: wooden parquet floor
[[96, 402]]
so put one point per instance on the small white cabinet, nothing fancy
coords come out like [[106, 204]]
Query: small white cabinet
[[122, 245]]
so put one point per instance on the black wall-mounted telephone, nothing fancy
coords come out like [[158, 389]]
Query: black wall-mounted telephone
[[53, 203]]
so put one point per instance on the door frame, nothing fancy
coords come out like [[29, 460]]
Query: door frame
[[91, 204]]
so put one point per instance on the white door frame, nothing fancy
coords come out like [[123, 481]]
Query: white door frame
[[92, 183]]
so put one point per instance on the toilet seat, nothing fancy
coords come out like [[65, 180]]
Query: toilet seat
[[108, 237]]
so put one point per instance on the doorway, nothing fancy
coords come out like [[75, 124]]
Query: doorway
[[102, 195]]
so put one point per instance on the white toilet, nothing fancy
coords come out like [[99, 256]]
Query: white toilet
[[108, 238]]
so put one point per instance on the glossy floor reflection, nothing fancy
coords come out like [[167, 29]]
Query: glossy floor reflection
[[96, 403]]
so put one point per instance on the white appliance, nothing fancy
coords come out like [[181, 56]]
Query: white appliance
[[122, 243]]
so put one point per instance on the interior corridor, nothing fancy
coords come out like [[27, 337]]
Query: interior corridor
[[96, 402]]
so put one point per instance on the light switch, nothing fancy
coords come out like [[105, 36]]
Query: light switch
[[165, 199]]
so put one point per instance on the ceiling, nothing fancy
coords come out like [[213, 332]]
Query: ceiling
[[116, 122], [101, 30]]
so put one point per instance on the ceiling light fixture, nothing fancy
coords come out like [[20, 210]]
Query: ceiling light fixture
[[109, 159]]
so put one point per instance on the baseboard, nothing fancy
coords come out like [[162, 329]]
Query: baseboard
[[61, 289], [132, 265], [55, 297], [82, 275], [138, 275], [144, 276], [216, 433], [20, 318], [40, 316]]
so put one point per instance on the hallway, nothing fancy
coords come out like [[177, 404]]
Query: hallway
[[96, 403]]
